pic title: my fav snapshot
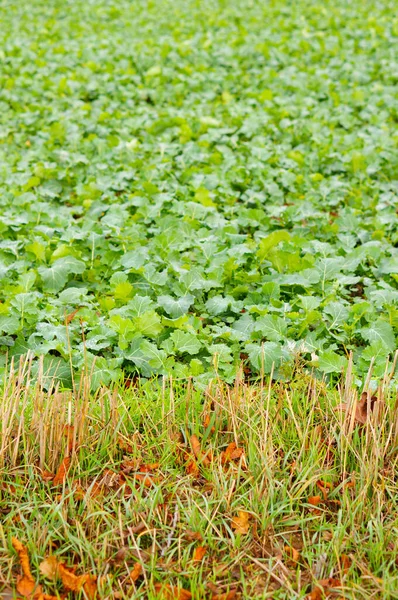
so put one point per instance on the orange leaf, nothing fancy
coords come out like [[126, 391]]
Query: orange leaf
[[69, 318], [145, 479], [199, 553], [23, 558], [69, 433], [314, 500], [62, 472], [170, 592], [49, 567], [345, 562], [27, 587], [322, 587], [193, 535], [206, 422], [136, 572], [292, 553], [232, 452], [90, 586], [196, 449], [192, 468], [75, 583], [241, 522], [226, 596]]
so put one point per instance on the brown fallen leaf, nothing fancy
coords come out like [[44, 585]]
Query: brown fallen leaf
[[136, 572], [225, 596], [90, 587], [23, 557], [199, 553], [47, 476], [241, 523], [170, 592], [363, 409], [69, 433], [144, 478], [232, 452], [197, 450], [292, 553], [49, 568], [193, 535], [192, 468], [323, 588], [28, 588], [62, 472], [77, 583], [206, 422], [26, 584], [345, 562]]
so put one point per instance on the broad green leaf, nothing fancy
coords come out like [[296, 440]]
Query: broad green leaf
[[55, 277], [331, 362], [273, 239], [271, 327], [380, 331], [185, 342], [263, 357], [176, 307]]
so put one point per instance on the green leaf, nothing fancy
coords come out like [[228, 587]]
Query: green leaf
[[176, 307], [273, 239], [263, 356], [271, 327], [331, 362], [380, 331], [56, 276], [148, 324], [185, 342]]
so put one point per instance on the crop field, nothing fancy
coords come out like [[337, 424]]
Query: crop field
[[191, 184], [198, 299]]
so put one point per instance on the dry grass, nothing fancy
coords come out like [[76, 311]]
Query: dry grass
[[307, 492]]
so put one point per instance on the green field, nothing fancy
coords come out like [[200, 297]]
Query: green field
[[203, 182], [198, 300]]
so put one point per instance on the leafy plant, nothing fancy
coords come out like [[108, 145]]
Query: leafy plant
[[196, 184]]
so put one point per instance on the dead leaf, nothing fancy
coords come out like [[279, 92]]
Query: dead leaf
[[62, 472], [323, 588], [69, 318], [315, 501], [146, 479], [136, 572], [49, 568], [23, 558], [76, 583], [28, 588], [192, 468], [226, 596], [241, 523], [199, 553], [364, 408], [170, 592], [47, 476], [193, 535], [197, 450], [90, 586], [345, 562], [232, 452], [293, 554], [26, 584], [206, 422], [324, 487], [69, 433]]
